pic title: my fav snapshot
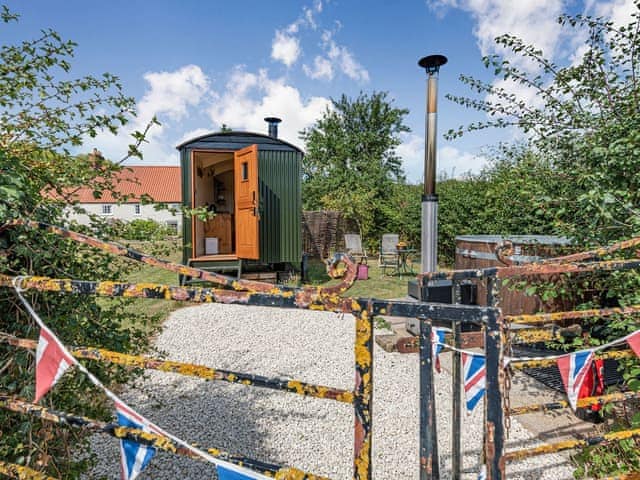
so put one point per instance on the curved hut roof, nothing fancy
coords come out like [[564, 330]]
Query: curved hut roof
[[235, 140]]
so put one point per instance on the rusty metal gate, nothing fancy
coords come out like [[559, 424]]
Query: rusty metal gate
[[498, 338], [249, 293]]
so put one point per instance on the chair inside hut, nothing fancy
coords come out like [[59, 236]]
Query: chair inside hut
[[213, 188]]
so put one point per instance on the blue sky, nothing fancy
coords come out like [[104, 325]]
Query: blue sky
[[198, 64]]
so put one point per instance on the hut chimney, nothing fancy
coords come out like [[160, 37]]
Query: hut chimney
[[273, 126]]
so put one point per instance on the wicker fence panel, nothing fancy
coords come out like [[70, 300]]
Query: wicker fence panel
[[323, 232]]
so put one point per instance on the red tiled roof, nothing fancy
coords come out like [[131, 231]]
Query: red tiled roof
[[163, 184]]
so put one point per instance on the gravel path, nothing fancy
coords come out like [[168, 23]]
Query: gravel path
[[312, 434]]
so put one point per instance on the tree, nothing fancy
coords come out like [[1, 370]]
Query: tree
[[506, 198], [351, 161], [585, 124], [42, 118]]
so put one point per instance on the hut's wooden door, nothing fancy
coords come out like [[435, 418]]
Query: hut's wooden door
[[246, 193]]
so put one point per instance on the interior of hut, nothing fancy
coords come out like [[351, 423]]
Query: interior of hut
[[213, 189]]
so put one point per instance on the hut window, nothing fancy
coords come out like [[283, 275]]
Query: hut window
[[245, 171]]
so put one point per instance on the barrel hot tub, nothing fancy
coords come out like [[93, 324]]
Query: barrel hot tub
[[478, 251]]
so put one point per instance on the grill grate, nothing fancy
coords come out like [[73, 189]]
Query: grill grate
[[550, 376]]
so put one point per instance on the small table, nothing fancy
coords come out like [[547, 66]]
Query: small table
[[403, 265]]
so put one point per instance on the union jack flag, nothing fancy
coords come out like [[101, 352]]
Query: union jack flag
[[52, 360], [634, 342], [134, 457], [437, 341], [474, 378], [574, 368]]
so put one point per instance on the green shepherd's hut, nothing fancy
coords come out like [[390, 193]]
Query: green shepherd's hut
[[252, 182]]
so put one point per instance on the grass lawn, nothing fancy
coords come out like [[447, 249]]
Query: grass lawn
[[377, 286], [159, 309]]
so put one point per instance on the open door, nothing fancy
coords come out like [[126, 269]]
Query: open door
[[246, 193]]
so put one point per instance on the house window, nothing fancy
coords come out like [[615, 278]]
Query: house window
[[173, 226], [245, 171], [107, 210], [137, 209]]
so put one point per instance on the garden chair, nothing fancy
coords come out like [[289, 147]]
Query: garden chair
[[388, 257], [353, 245]]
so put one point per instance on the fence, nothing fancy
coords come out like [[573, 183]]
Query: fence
[[498, 338], [250, 293], [323, 232]]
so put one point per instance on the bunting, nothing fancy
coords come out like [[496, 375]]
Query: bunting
[[134, 457], [482, 474], [437, 342], [233, 472], [474, 378], [52, 360], [634, 342], [574, 368]]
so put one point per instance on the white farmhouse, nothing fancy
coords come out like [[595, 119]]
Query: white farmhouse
[[162, 184]]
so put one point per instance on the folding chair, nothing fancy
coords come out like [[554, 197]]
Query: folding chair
[[353, 244]]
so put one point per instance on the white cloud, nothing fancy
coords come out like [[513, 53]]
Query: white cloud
[[169, 96], [411, 151], [534, 21], [338, 57], [456, 163], [265, 97], [322, 69], [450, 161], [619, 11], [285, 48], [198, 132]]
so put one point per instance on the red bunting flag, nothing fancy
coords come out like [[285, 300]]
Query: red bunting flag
[[52, 360], [574, 368], [634, 342]]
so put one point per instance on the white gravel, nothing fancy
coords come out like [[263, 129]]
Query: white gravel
[[312, 434]]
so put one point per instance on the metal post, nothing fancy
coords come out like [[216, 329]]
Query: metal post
[[363, 395], [429, 464], [494, 427], [429, 240], [429, 260], [456, 414], [456, 388]]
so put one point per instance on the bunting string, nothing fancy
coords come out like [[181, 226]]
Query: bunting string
[[63, 359], [579, 372], [595, 348]]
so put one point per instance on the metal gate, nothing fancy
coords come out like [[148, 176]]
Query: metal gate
[[498, 337]]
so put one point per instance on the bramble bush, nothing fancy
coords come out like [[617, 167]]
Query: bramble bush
[[583, 131], [41, 119]]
